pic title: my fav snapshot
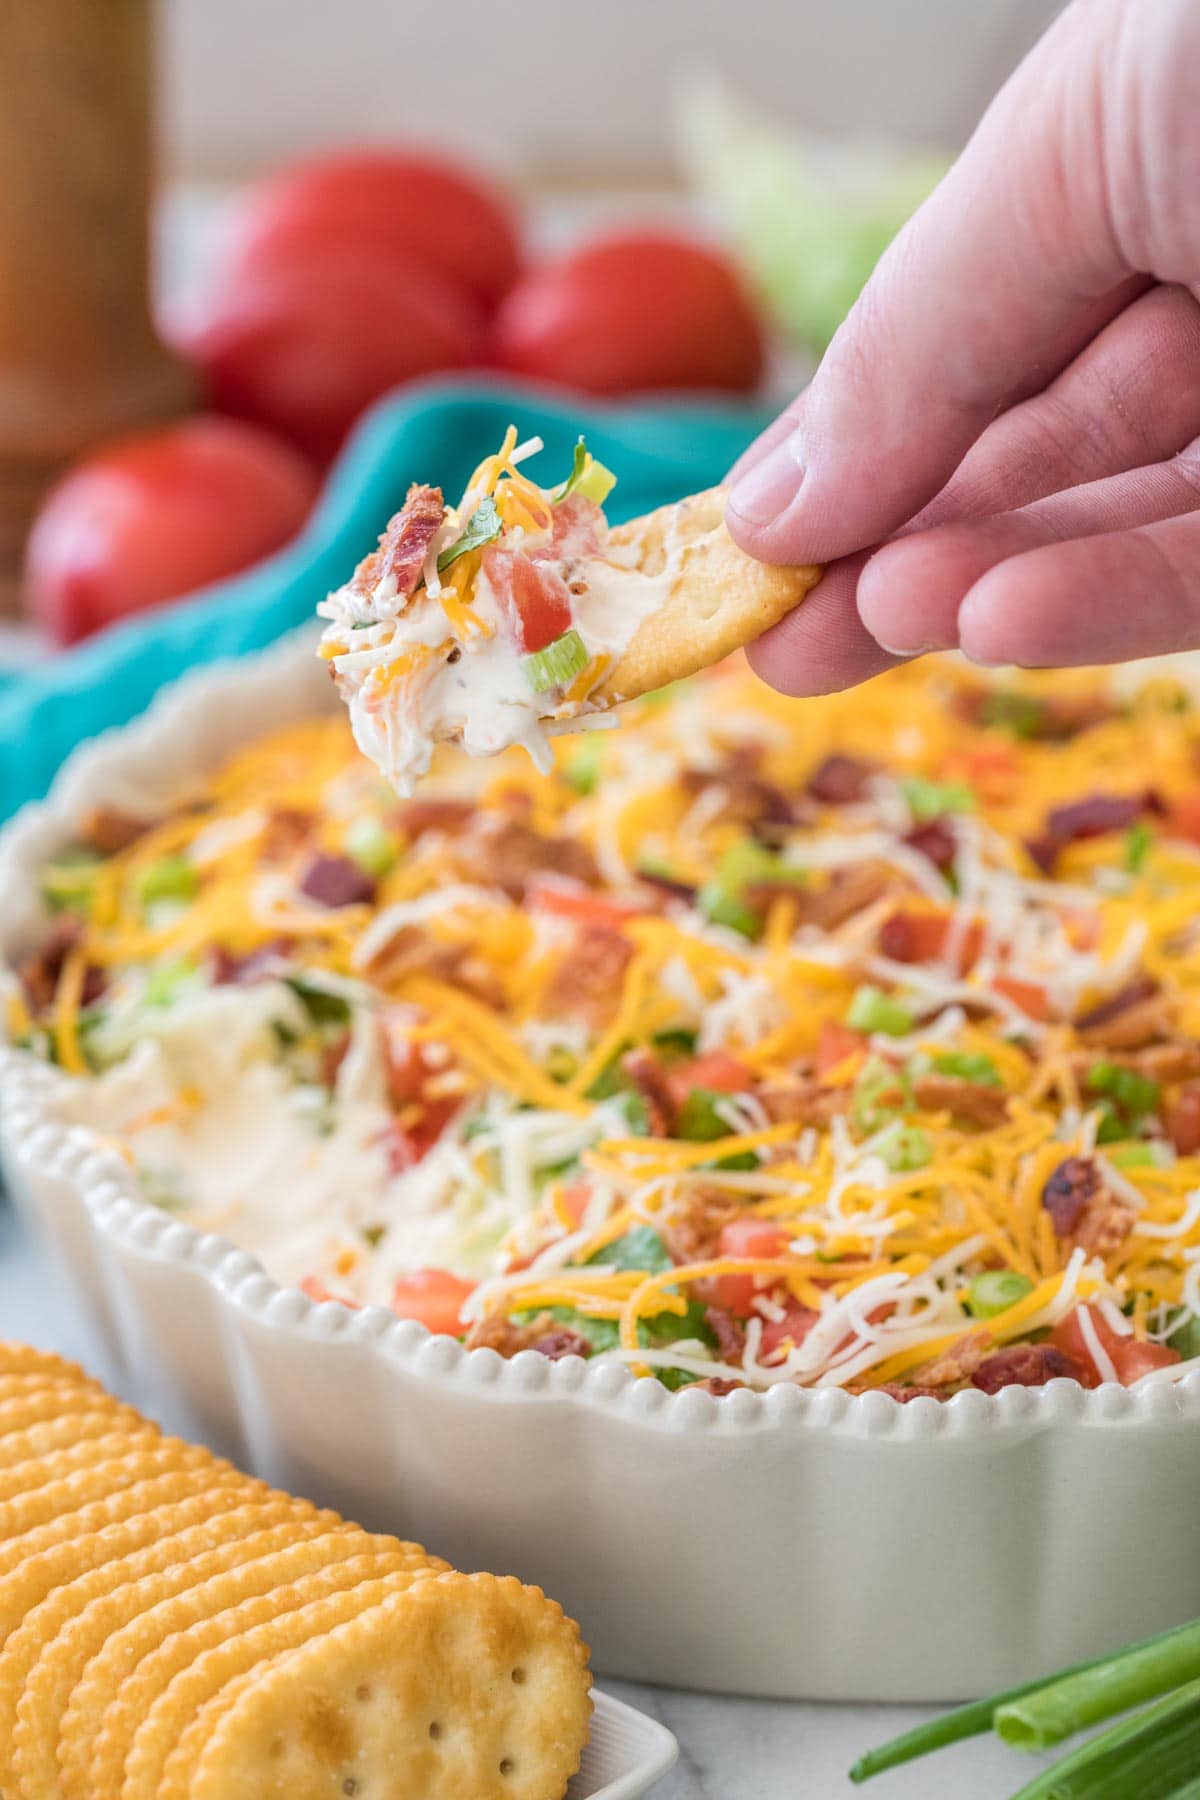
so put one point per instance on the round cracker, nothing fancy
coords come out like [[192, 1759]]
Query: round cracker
[[167, 1723], [30, 1380], [468, 1684], [42, 1660], [54, 1400], [100, 1445], [720, 600], [24, 1512], [136, 1665], [23, 1359], [56, 1436], [126, 1503]]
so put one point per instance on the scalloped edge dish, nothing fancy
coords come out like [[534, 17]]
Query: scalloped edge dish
[[808, 1544]]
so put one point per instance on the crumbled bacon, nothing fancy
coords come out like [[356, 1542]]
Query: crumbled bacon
[[286, 829], [404, 544], [803, 1102], [936, 841], [227, 968], [1127, 1020], [542, 1333], [412, 951], [337, 881], [1090, 817], [649, 1077], [1083, 1208], [560, 1342], [108, 830], [1183, 1119], [667, 884], [898, 1390], [587, 981], [848, 891], [1105, 1225], [41, 972], [958, 1362], [729, 1332], [745, 798], [1166, 1063], [1024, 1365], [720, 1385], [840, 780], [507, 853], [451, 817], [692, 1231], [975, 1101]]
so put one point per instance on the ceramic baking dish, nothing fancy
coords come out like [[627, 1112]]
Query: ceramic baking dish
[[793, 1543]]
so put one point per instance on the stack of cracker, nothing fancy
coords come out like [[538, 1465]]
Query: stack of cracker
[[175, 1630]]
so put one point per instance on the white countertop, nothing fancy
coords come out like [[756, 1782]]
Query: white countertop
[[729, 1749]]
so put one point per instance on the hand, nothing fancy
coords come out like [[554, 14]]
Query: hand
[[1012, 407]]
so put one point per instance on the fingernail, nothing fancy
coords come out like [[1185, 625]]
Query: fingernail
[[770, 488]]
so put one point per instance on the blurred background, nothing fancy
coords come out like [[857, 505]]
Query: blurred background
[[228, 226]]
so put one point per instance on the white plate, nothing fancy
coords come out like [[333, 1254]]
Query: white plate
[[810, 1544], [626, 1754]]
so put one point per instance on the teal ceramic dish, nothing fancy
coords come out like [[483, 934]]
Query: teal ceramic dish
[[428, 433]]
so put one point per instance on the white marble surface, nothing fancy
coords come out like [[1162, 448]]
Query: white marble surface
[[730, 1749]]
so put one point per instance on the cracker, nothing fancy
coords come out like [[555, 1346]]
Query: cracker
[[168, 1721], [23, 1359], [58, 1435], [43, 1659], [136, 1664], [30, 1380], [463, 1685], [24, 1512], [99, 1444], [55, 1400], [720, 600], [126, 1503]]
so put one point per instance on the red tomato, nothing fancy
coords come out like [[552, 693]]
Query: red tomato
[[422, 207], [918, 937], [305, 344], [717, 1071], [836, 1043], [1032, 1000], [746, 1237], [533, 595], [435, 1297], [575, 1199], [580, 904], [158, 515], [1130, 1358], [636, 311], [1183, 819], [784, 1334]]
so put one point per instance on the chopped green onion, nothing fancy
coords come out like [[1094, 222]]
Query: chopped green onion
[[588, 478], [995, 1291], [557, 664], [676, 1040], [968, 1065], [372, 846], [483, 527], [700, 1120], [930, 799], [1138, 845], [905, 1148], [1071, 1703], [1019, 713], [1139, 1156], [743, 866], [582, 768], [720, 907], [170, 878], [1133, 1093], [164, 984], [322, 1005], [881, 1093], [873, 1010], [68, 883], [1148, 1755]]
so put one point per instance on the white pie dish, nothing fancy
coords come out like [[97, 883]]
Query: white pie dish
[[793, 1543]]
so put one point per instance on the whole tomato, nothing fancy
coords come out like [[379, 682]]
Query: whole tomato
[[158, 514], [306, 339], [638, 311], [420, 206]]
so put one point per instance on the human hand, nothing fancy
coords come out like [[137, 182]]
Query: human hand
[[1012, 407]]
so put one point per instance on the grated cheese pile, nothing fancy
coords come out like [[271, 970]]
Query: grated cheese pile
[[850, 1043]]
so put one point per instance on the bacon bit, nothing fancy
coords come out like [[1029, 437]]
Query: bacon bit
[[587, 981], [692, 1233], [332, 1058], [542, 1333], [850, 890], [936, 841], [227, 969], [975, 1101], [404, 544], [337, 881], [747, 799], [729, 1332], [1166, 1063], [40, 972], [1026, 996], [899, 1390], [1183, 1119], [411, 951], [958, 1362], [840, 780], [416, 817], [650, 1079], [1091, 817], [1069, 1190], [666, 884], [1135, 1016], [286, 829], [804, 1102], [110, 831], [562, 1342], [1025, 1365], [719, 1385], [507, 853]]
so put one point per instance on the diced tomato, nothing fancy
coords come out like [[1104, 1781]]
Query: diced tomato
[[1128, 1355], [580, 904], [1183, 820], [784, 1334], [574, 1201], [836, 1043], [920, 937], [1031, 999], [435, 1297], [409, 1144], [990, 769], [534, 595], [716, 1070], [407, 1072], [746, 1237], [316, 1290]]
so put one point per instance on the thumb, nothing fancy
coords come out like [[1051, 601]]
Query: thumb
[[1004, 273]]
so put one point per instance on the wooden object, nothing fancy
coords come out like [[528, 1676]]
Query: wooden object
[[79, 359]]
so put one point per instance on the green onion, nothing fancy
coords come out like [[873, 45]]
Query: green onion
[[1139, 1156], [588, 478], [905, 1149], [1147, 1756], [69, 882], [170, 878], [1019, 713], [873, 1010], [1071, 1703], [747, 862], [483, 527], [881, 1093], [1133, 1093], [164, 983], [968, 1065], [372, 846], [1138, 845], [995, 1291], [720, 907], [582, 768], [930, 799], [1186, 1337], [557, 664], [700, 1121]]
